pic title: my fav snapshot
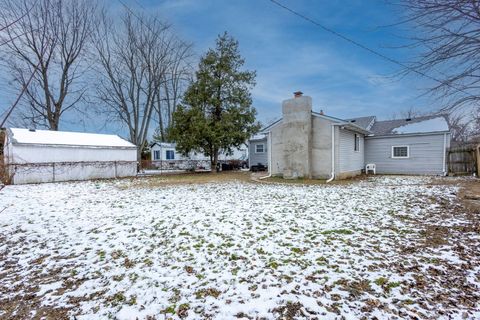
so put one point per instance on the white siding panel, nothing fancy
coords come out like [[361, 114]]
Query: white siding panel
[[35, 164], [349, 159]]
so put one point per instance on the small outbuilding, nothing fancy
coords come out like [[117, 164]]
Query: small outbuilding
[[34, 156]]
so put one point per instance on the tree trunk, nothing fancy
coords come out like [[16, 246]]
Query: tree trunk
[[215, 161]]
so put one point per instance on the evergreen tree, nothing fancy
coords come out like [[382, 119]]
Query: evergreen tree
[[216, 113]]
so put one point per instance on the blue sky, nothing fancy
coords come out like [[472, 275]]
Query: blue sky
[[290, 54]]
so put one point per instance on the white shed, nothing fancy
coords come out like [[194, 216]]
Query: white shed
[[33, 156]]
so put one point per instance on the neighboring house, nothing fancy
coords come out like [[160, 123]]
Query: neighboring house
[[165, 155], [161, 151], [311, 144], [33, 156]]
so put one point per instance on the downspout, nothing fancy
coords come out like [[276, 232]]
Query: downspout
[[444, 154], [333, 155], [269, 156]]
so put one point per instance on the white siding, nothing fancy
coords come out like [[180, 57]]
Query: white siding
[[349, 159], [50, 163]]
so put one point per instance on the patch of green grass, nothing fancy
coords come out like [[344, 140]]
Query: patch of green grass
[[234, 257], [118, 299], [169, 309], [235, 271], [101, 254], [133, 276], [298, 250], [118, 277], [381, 281], [337, 231], [212, 292], [391, 285], [321, 261], [148, 262], [261, 251], [273, 265]]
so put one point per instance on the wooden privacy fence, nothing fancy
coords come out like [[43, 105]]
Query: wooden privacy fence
[[463, 160]]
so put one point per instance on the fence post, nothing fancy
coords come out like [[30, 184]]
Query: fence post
[[53, 171], [115, 162]]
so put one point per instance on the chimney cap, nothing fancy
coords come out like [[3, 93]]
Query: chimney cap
[[298, 94]]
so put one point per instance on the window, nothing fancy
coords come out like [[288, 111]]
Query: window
[[259, 148], [400, 152], [357, 143], [170, 155], [156, 155]]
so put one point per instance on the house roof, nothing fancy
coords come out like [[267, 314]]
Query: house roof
[[363, 122], [425, 124], [163, 144], [47, 137], [352, 125]]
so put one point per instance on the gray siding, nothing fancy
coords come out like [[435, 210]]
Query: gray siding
[[349, 159], [425, 154], [256, 158]]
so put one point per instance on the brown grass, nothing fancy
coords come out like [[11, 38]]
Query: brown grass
[[188, 178]]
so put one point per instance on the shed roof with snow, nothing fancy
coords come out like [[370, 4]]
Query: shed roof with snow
[[65, 138]]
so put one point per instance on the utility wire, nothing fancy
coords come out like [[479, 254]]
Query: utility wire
[[304, 17], [20, 95]]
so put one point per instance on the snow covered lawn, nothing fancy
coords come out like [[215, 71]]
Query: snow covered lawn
[[384, 247]]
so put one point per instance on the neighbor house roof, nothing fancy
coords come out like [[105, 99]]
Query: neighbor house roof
[[47, 137], [425, 124]]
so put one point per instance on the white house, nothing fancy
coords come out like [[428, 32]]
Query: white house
[[167, 152], [33, 156]]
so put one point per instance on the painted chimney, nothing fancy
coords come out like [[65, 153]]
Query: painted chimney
[[321, 112], [298, 94]]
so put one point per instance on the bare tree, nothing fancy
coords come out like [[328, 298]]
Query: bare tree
[[136, 57], [51, 35], [407, 113], [178, 75], [460, 127], [447, 35]]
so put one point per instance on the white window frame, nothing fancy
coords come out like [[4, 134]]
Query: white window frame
[[166, 154], [155, 153], [356, 138], [402, 157], [263, 148]]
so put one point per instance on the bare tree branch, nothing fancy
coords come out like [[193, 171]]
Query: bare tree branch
[[53, 34]]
